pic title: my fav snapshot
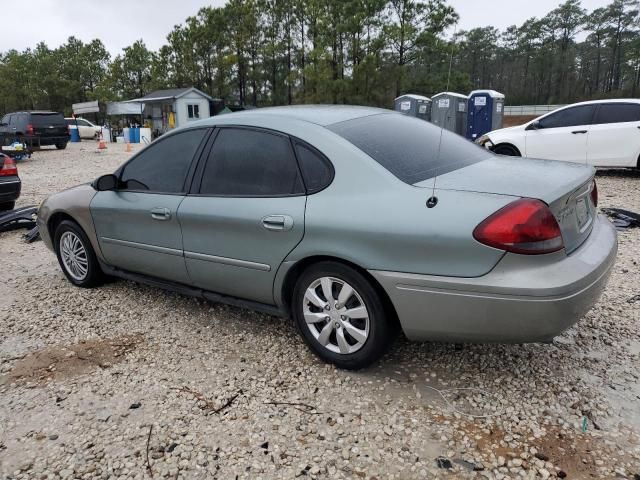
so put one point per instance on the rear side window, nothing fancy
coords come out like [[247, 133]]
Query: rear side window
[[617, 113], [316, 170], [569, 117], [411, 149], [163, 166], [46, 119], [251, 163]]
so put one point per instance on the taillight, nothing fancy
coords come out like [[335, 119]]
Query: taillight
[[8, 167], [594, 193], [524, 226]]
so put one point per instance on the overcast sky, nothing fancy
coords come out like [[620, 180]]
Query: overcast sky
[[119, 23]]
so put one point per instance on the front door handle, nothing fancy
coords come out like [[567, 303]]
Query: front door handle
[[280, 223], [576, 132], [160, 213]]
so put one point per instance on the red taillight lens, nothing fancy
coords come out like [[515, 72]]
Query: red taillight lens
[[594, 193], [29, 129], [524, 226], [8, 167]]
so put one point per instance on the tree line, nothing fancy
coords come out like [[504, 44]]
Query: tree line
[[276, 52]]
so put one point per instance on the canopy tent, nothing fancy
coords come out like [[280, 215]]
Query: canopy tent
[[125, 108], [85, 107]]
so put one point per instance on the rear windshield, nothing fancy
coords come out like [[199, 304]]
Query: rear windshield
[[46, 119], [408, 147]]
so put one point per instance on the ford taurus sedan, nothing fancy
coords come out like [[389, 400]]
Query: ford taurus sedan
[[354, 221]]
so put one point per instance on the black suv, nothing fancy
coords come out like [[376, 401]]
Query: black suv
[[34, 128]]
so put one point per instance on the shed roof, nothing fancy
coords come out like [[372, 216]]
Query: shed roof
[[170, 94]]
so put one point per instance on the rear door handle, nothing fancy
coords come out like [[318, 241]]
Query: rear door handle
[[280, 223], [576, 132], [160, 213]]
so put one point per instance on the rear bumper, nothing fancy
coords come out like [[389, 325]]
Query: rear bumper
[[39, 140], [10, 188], [523, 299]]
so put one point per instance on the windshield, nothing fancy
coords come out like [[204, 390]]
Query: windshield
[[46, 119], [408, 147]]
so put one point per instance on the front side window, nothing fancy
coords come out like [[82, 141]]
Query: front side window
[[251, 163], [569, 117], [411, 149], [193, 111], [163, 166], [617, 113]]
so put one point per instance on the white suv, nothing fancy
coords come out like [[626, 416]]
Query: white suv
[[602, 133], [86, 129]]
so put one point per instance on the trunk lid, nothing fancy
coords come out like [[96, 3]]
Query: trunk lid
[[564, 186]]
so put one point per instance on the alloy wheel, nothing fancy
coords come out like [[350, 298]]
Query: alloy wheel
[[336, 315], [74, 256]]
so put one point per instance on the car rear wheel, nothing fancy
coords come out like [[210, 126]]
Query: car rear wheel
[[76, 256], [340, 316], [505, 149], [7, 206], [61, 146]]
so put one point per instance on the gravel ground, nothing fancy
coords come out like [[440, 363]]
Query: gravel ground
[[127, 381]]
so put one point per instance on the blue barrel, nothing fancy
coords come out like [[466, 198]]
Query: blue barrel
[[74, 133], [136, 135]]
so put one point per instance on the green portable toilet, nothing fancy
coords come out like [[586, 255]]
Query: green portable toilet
[[449, 111], [413, 105]]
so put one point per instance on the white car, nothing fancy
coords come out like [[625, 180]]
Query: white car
[[85, 127], [602, 133]]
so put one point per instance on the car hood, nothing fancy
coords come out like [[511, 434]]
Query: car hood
[[546, 180]]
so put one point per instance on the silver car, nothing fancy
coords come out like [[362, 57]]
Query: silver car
[[356, 222]]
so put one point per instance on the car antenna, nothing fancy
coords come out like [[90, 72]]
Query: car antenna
[[433, 200]]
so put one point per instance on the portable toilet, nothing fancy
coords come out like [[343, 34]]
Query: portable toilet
[[485, 111], [449, 111], [414, 105]]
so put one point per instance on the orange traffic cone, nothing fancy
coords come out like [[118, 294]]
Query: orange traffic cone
[[128, 147], [101, 143]]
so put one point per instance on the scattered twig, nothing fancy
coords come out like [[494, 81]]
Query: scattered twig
[[302, 407], [148, 441], [228, 402], [208, 403]]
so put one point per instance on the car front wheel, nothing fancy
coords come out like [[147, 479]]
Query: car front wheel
[[341, 316], [76, 256], [61, 146]]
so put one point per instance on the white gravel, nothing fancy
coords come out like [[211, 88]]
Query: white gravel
[[73, 362]]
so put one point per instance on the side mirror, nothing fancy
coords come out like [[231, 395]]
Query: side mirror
[[105, 183], [535, 125]]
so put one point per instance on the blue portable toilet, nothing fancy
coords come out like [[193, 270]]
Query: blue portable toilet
[[485, 111]]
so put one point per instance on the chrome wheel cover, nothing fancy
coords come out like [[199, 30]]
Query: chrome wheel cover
[[74, 256], [336, 315]]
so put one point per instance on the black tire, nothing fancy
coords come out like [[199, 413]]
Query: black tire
[[381, 330], [94, 275], [61, 146], [7, 206], [506, 149]]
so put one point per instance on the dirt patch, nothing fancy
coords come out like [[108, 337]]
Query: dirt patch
[[513, 120], [55, 363]]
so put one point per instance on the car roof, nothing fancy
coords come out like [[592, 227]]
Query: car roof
[[323, 115], [607, 100], [37, 112]]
